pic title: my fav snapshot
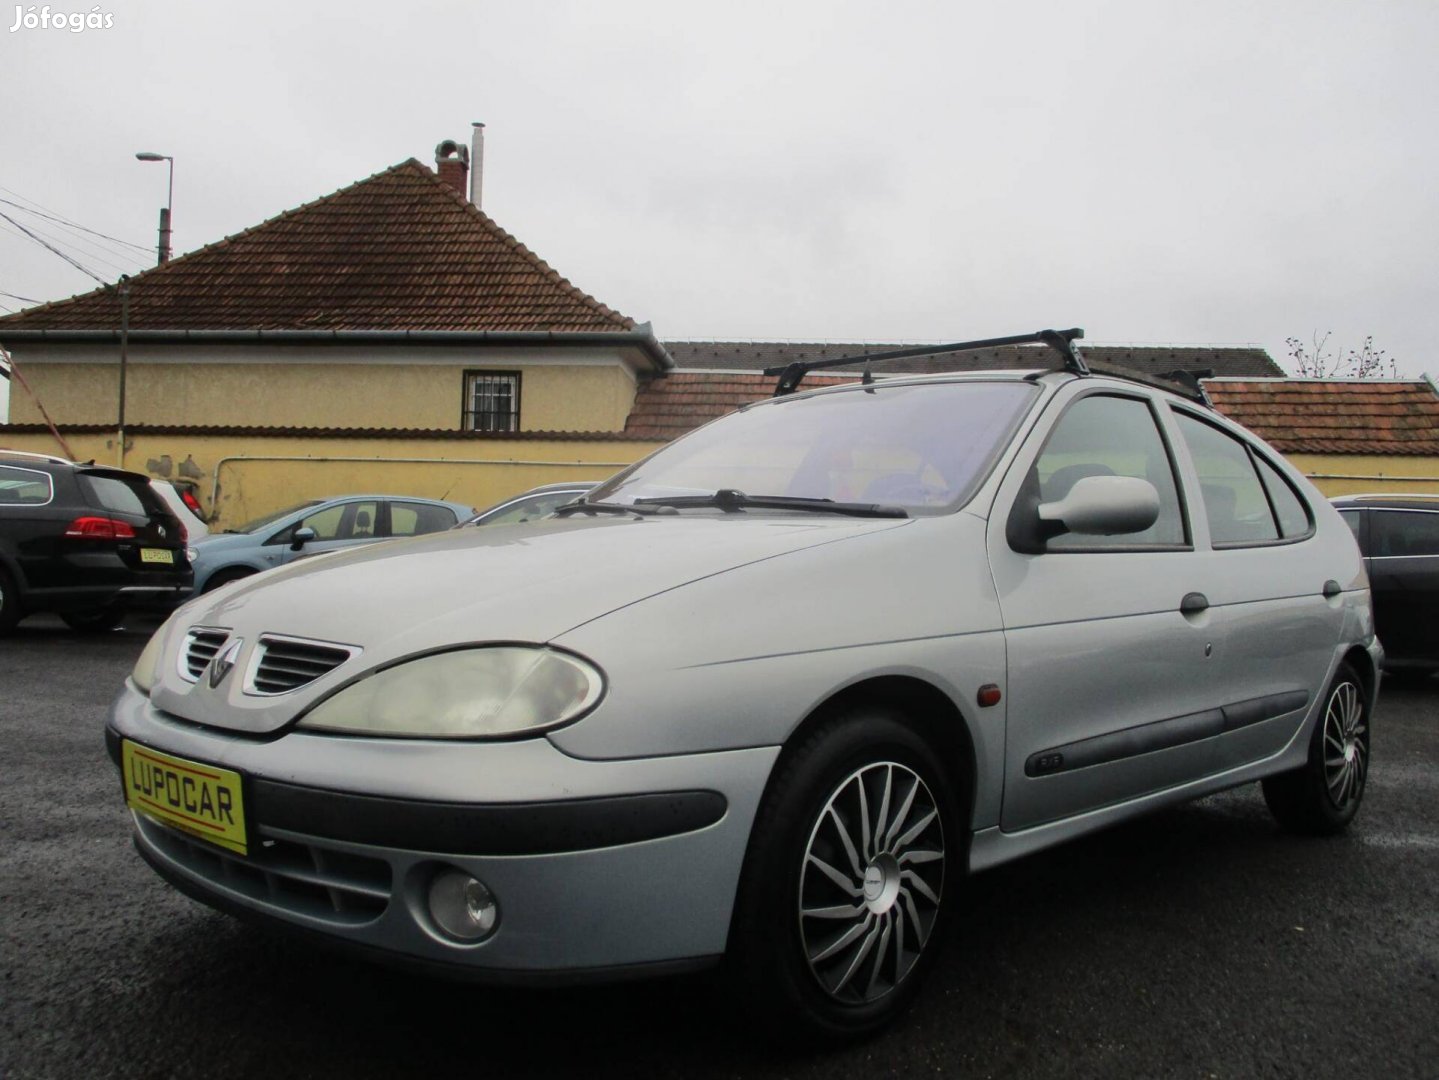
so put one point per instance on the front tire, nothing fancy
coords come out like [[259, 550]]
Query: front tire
[[1322, 796], [854, 861]]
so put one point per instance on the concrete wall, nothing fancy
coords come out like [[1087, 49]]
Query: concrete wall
[[258, 475], [319, 386], [1355, 474]]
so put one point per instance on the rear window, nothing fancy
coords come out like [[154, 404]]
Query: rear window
[[121, 496]]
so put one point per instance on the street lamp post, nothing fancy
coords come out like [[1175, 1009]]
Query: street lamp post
[[164, 247]]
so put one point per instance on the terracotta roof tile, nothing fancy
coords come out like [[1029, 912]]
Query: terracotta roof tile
[[401, 250], [667, 408], [1337, 416]]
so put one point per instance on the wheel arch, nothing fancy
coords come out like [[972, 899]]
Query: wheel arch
[[1362, 662], [223, 575], [925, 707]]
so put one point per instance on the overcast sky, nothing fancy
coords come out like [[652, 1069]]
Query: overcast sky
[[1154, 171]]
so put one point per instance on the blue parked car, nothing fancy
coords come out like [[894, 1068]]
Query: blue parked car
[[313, 528]]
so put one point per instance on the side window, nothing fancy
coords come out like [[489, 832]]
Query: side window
[[348, 521], [1110, 436], [416, 519], [1290, 510], [24, 487], [1234, 498], [1396, 534]]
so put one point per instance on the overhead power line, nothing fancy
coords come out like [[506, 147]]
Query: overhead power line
[[22, 299], [89, 250], [51, 248], [72, 224]]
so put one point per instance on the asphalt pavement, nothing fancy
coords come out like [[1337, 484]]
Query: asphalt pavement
[[1200, 942]]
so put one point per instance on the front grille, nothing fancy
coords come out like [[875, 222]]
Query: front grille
[[303, 878], [283, 664], [201, 645]]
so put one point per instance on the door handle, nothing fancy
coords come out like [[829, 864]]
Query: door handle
[[1193, 603]]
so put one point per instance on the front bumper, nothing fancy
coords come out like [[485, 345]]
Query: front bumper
[[597, 867]]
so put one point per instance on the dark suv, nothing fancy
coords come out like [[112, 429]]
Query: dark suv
[[85, 541], [1399, 538]]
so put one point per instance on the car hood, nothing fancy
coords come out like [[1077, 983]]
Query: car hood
[[530, 582]]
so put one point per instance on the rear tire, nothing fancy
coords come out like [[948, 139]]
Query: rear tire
[[855, 859], [10, 610], [1322, 796], [93, 622]]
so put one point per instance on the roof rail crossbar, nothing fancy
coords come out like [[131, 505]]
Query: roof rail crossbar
[[1061, 341]]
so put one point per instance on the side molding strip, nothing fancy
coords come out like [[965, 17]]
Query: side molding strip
[[1163, 734]]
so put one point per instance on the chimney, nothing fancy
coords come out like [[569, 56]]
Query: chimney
[[452, 162], [477, 160]]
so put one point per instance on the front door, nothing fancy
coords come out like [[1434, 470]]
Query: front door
[[1111, 657]]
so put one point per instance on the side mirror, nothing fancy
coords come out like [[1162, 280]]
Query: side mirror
[[1103, 506], [301, 538]]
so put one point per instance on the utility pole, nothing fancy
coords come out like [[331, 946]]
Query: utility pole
[[124, 356]]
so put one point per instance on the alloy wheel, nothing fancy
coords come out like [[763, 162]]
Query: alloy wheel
[[1346, 745], [871, 882]]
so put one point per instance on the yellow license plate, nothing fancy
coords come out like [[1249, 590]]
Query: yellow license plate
[[202, 800], [160, 555]]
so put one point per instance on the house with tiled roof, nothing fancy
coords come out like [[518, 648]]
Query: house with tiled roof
[[1347, 435], [392, 322]]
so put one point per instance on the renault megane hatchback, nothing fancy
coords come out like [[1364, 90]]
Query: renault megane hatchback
[[768, 696]]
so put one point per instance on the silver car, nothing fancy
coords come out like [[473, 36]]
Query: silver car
[[769, 695]]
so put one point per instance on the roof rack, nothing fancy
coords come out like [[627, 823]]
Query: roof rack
[[1061, 341], [35, 457]]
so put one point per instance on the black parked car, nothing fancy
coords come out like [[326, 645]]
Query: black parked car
[[1399, 538], [86, 541]]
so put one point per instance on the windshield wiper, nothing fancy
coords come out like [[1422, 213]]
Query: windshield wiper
[[582, 507], [731, 502]]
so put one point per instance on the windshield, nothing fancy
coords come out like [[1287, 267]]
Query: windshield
[[260, 522], [918, 446]]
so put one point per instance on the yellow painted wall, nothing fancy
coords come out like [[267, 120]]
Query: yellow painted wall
[[1353, 474], [476, 471], [553, 397]]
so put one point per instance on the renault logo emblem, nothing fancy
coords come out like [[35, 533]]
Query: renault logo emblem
[[223, 662]]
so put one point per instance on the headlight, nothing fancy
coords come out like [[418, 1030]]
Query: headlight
[[482, 693], [147, 669]]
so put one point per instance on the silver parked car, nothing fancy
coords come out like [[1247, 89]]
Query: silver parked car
[[771, 694], [538, 502]]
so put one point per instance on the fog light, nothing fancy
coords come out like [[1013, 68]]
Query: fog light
[[462, 907]]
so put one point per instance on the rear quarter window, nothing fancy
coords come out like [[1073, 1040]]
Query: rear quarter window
[[24, 487]]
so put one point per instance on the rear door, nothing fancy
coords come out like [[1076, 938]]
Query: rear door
[[1404, 578], [1275, 579]]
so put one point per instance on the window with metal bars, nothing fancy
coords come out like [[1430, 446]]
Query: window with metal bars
[[492, 401]]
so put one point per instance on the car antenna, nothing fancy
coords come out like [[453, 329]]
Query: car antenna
[[1061, 341]]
